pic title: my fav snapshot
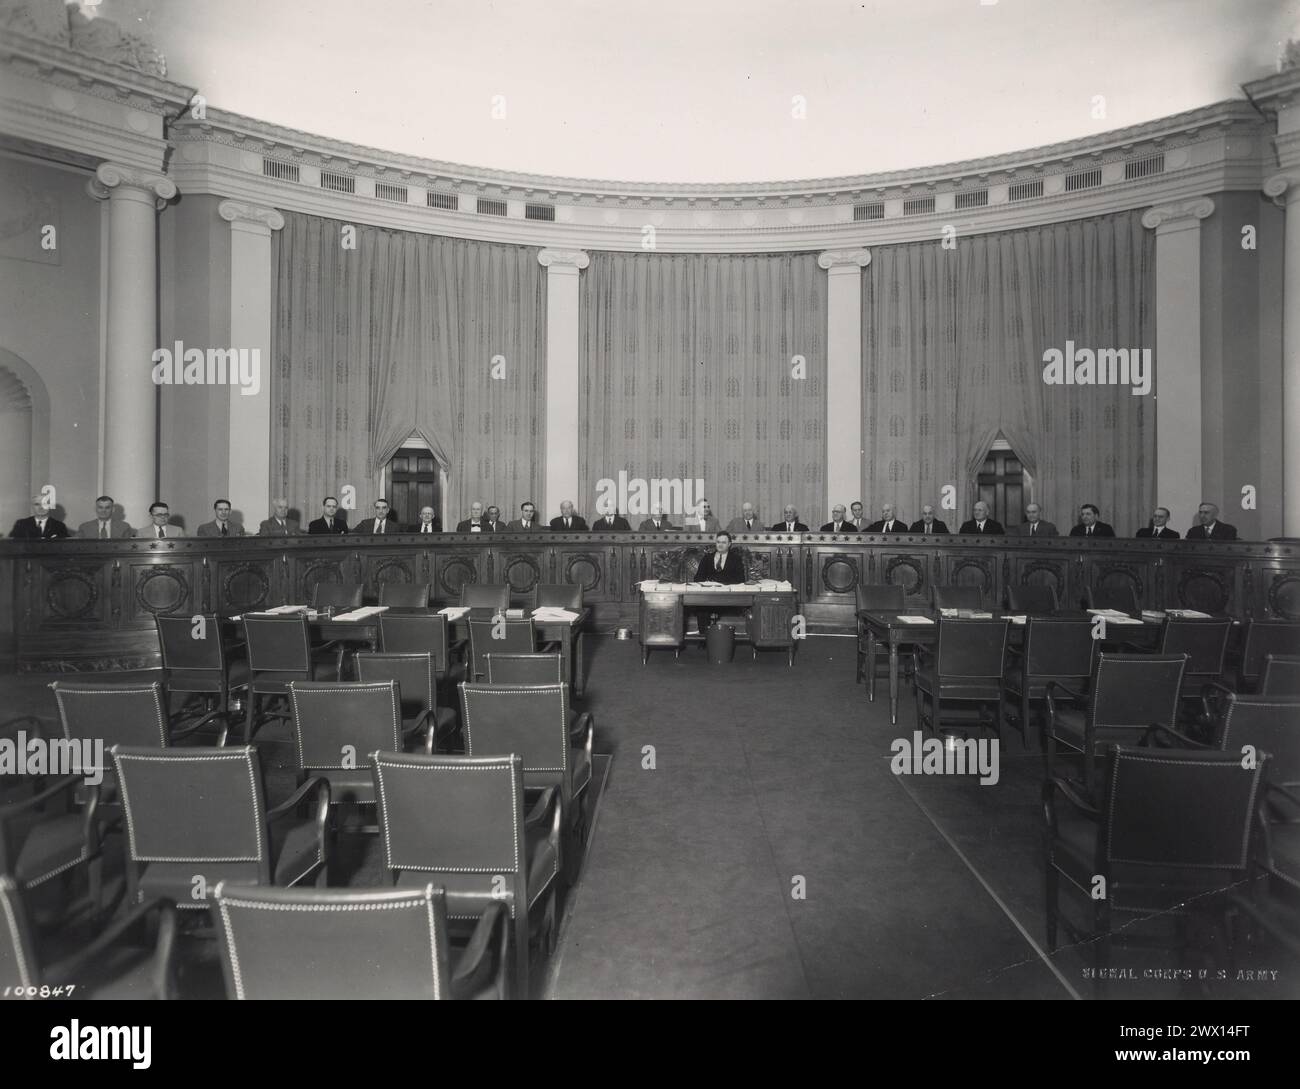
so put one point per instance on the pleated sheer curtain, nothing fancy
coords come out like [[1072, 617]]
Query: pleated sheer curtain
[[952, 354], [711, 368], [407, 333]]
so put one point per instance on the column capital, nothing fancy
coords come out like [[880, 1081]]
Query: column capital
[[255, 217], [129, 182], [1179, 215], [564, 259], [839, 259], [1276, 186]]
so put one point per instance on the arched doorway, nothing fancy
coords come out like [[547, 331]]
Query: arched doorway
[[24, 437], [1003, 483], [413, 479]]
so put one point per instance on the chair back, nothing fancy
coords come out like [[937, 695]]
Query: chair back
[[1122, 598], [416, 633], [530, 720], [1134, 691], [1262, 638], [116, 714], [498, 635], [413, 673], [338, 724], [278, 644], [190, 646], [957, 597], [971, 649], [1268, 724], [452, 815], [525, 668], [404, 595], [1281, 676], [1032, 598], [486, 595], [1059, 647], [1177, 809], [558, 595], [1204, 641], [18, 964], [337, 595], [882, 598], [301, 943], [194, 807]]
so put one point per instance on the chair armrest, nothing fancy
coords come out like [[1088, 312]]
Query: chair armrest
[[1052, 688], [537, 815], [582, 730], [179, 733], [1156, 729], [479, 946], [76, 965], [12, 809], [286, 808], [1072, 795]]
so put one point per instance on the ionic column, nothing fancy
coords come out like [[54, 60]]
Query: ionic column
[[1285, 190], [1178, 355], [845, 454], [130, 432], [562, 387], [250, 330]]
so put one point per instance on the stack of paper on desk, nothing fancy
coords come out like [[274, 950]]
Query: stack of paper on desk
[[363, 614], [551, 614], [281, 610], [915, 620], [1188, 614], [1114, 616], [454, 612]]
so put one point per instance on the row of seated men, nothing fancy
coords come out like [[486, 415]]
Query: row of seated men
[[41, 525]]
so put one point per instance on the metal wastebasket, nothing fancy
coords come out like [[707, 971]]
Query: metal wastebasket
[[721, 641]]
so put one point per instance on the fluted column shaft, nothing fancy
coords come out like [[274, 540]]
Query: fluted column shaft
[[845, 453], [563, 438]]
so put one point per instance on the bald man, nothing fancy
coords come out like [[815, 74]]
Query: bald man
[[279, 524]]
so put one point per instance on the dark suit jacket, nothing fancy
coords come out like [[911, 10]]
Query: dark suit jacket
[[318, 525], [648, 526], [271, 528], [845, 527], [879, 527], [799, 527], [1045, 529], [517, 526], [601, 526], [919, 526], [368, 527], [212, 529], [419, 526], [25, 530], [484, 526], [116, 528], [1166, 534], [1222, 532], [991, 528], [579, 524], [733, 572], [1099, 529]]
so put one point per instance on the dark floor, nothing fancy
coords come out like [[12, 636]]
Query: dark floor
[[734, 789]]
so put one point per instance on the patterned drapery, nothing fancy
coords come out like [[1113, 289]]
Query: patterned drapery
[[406, 333], [711, 368], [952, 354]]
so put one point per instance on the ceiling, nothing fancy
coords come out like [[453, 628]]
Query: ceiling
[[711, 90]]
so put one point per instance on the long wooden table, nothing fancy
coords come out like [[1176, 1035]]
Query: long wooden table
[[89, 604]]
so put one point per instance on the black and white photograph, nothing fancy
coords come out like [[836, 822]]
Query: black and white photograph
[[839, 472]]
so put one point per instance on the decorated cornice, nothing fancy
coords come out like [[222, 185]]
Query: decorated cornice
[[860, 258], [1275, 92], [1166, 214]]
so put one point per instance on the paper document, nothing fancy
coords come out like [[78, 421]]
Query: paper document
[[454, 612], [915, 620], [553, 614], [1189, 614]]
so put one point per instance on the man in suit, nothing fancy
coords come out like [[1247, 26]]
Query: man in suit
[[1034, 525], [856, 516], [221, 525], [1210, 528], [105, 526], [839, 523], [982, 524], [568, 522], [381, 524], [721, 565], [611, 521], [279, 524], [790, 522], [1090, 524], [704, 520], [928, 524], [428, 522], [888, 523], [657, 522], [160, 527], [41, 526], [527, 520], [475, 523], [493, 519], [332, 520], [1159, 527], [747, 522]]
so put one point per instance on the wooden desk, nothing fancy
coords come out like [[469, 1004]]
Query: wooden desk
[[662, 615]]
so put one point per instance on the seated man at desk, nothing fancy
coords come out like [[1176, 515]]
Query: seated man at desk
[[719, 566]]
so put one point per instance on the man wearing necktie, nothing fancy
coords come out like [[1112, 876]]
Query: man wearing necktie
[[379, 524], [657, 522], [928, 524], [527, 520], [791, 523], [611, 521], [747, 522], [159, 515], [105, 526], [332, 520], [568, 521], [982, 524], [1090, 524], [221, 524], [428, 521], [41, 526], [279, 524], [839, 523], [888, 523], [1034, 525]]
